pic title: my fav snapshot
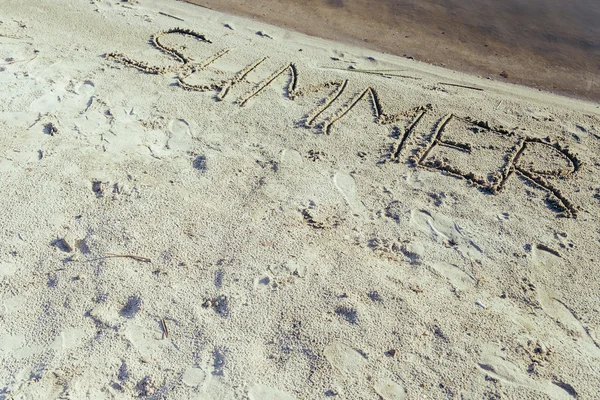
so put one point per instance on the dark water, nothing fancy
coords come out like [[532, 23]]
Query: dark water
[[549, 44]]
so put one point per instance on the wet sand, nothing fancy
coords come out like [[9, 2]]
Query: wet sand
[[550, 45]]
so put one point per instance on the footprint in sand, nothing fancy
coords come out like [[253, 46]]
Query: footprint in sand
[[12, 306], [7, 268], [544, 259], [179, 136], [544, 256], [559, 311], [457, 277], [415, 180], [389, 390], [91, 124], [347, 186], [68, 339], [344, 359], [128, 137], [291, 157], [59, 98], [351, 367], [143, 339], [11, 343], [445, 230], [193, 377], [494, 363], [213, 388], [262, 392], [103, 5], [46, 103], [81, 99]]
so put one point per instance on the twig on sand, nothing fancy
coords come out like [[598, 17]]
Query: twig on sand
[[133, 257], [499, 104], [169, 15], [199, 5], [377, 70], [373, 72], [18, 61], [163, 324], [461, 86]]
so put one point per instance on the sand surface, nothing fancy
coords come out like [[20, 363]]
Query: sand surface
[[552, 45], [235, 211]]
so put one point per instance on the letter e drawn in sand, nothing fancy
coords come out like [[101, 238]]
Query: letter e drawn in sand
[[517, 156]]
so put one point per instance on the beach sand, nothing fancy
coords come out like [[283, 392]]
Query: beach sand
[[231, 210], [552, 46]]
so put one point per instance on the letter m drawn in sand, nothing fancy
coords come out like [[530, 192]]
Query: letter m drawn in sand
[[292, 91]]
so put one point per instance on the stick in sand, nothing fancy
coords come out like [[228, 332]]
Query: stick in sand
[[373, 72], [18, 61], [460, 86], [164, 327], [133, 257], [169, 15]]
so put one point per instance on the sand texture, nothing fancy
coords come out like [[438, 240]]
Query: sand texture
[[199, 206]]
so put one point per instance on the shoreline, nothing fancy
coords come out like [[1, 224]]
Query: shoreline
[[565, 61]]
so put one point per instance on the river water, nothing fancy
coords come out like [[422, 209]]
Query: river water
[[548, 44]]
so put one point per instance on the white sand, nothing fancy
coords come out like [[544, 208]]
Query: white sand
[[286, 263]]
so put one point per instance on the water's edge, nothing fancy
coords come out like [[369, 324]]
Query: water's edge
[[551, 48]]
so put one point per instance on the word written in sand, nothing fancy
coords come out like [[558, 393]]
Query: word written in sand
[[504, 153]]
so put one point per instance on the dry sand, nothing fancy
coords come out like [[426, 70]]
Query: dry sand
[[265, 236]]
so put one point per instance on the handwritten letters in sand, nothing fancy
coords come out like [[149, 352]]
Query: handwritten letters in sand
[[457, 146]]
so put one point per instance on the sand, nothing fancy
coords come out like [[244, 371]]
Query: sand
[[258, 214]]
